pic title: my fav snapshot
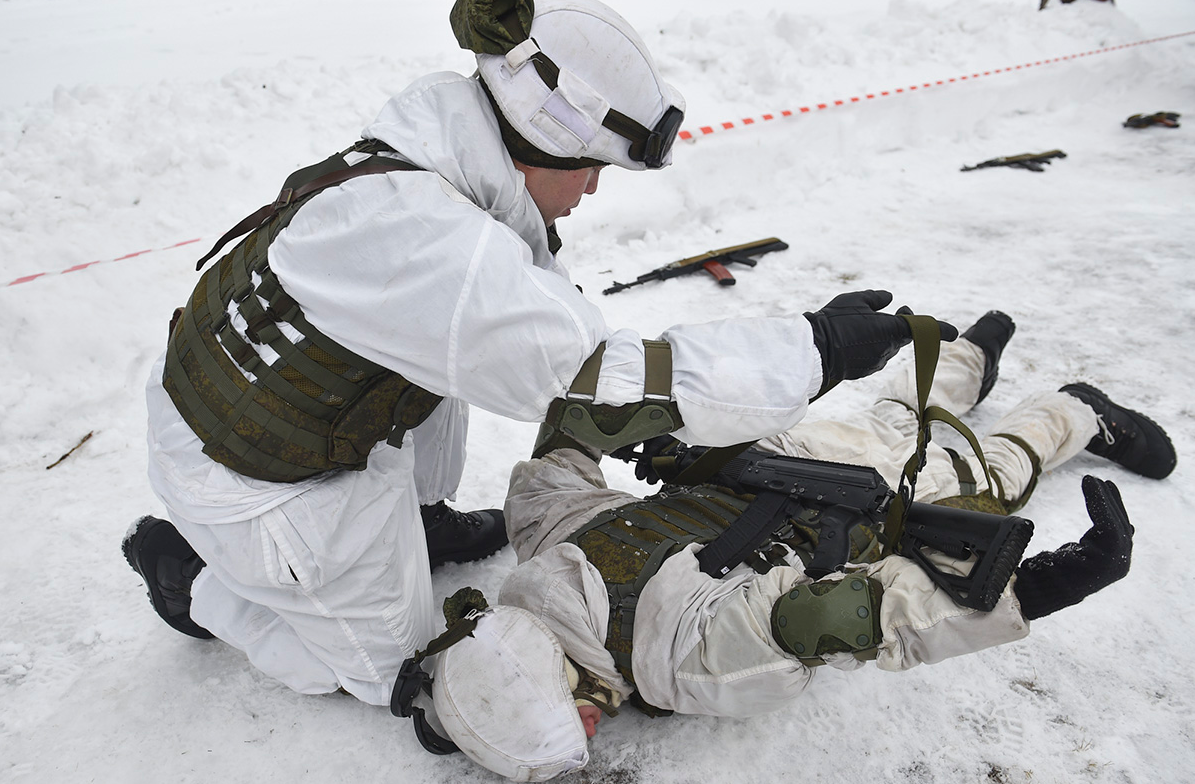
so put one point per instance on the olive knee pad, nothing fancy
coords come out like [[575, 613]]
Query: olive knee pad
[[829, 616]]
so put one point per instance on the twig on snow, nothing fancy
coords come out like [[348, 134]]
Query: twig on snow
[[68, 454]]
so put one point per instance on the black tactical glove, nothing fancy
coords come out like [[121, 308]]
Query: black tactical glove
[[658, 447], [659, 459], [1050, 581], [855, 340]]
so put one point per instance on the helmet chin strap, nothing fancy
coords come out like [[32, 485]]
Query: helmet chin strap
[[412, 679]]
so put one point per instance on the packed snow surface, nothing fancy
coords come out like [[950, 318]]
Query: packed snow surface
[[136, 126]]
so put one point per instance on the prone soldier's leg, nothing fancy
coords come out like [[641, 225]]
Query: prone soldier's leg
[[963, 367], [1039, 434], [885, 434]]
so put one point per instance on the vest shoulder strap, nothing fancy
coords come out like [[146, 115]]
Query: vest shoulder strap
[[314, 405], [311, 179]]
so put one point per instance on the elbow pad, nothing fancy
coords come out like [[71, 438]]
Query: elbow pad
[[577, 418], [828, 616]]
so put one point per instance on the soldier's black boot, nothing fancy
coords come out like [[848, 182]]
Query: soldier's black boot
[[991, 333], [1126, 437], [159, 553], [462, 536]]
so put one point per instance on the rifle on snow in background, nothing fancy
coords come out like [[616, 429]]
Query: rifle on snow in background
[[714, 262], [1168, 119], [1027, 160]]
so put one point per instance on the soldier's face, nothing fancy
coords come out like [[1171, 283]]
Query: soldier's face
[[557, 191]]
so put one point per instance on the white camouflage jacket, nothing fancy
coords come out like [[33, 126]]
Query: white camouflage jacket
[[704, 645], [444, 276]]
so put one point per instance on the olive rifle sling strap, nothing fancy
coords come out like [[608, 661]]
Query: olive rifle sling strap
[[927, 344]]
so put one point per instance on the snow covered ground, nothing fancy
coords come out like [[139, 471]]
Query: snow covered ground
[[131, 125]]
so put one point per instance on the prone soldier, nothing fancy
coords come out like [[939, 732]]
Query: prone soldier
[[610, 602]]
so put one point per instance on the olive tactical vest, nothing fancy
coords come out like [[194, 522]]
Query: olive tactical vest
[[288, 403], [628, 544]]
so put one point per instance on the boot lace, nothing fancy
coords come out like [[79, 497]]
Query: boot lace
[[447, 516], [1105, 431]]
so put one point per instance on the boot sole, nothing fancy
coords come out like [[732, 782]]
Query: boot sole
[[465, 556], [132, 544]]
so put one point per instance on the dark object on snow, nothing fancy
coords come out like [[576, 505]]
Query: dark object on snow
[[1168, 119], [1026, 160], [83, 441], [1045, 2]]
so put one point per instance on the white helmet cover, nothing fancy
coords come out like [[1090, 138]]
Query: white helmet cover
[[502, 696], [603, 64]]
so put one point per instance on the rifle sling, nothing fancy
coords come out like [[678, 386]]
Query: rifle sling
[[927, 342], [708, 464]]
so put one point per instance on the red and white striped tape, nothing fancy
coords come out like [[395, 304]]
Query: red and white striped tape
[[83, 266], [706, 130]]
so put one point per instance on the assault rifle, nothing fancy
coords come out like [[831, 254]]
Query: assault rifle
[[714, 262], [1027, 160], [833, 498], [1168, 119]]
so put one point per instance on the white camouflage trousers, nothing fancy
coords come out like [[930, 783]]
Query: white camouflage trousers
[[1057, 426]]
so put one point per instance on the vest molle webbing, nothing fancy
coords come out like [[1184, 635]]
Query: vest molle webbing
[[629, 543], [315, 406]]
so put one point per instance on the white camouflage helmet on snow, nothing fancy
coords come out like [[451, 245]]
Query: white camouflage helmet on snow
[[503, 697], [581, 85]]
